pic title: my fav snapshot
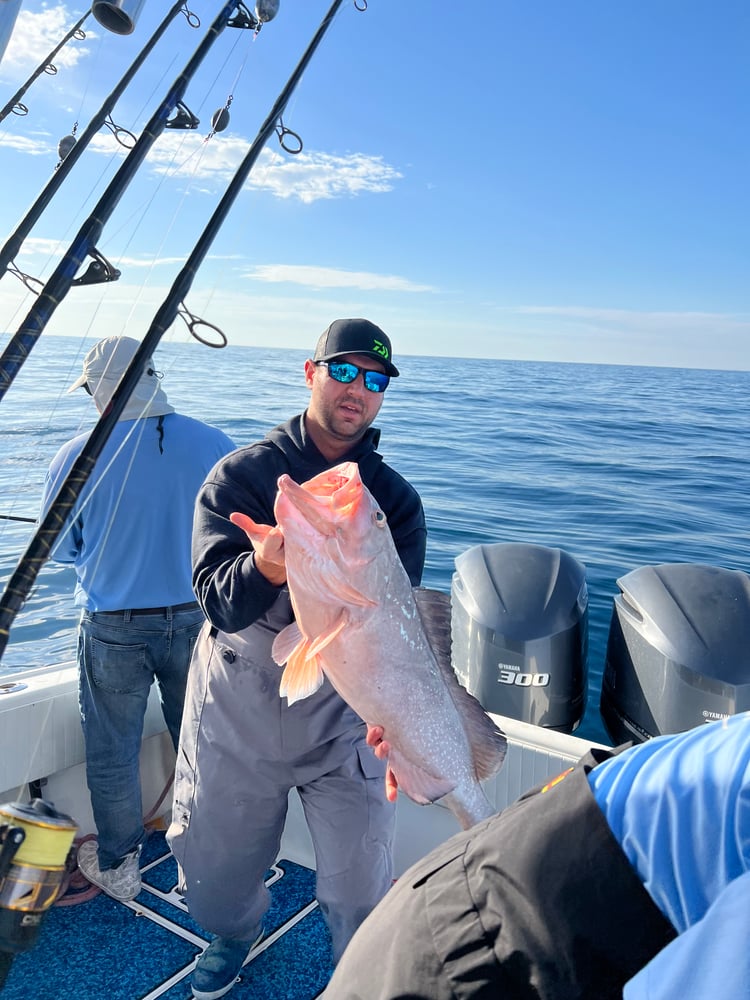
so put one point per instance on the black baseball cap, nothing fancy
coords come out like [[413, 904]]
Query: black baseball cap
[[355, 336]]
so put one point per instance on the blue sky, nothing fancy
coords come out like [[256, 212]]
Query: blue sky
[[542, 181]]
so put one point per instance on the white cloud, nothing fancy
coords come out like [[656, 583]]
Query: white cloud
[[162, 261], [41, 246], [45, 247], [329, 277], [30, 145], [308, 177], [36, 34], [638, 321], [313, 176]]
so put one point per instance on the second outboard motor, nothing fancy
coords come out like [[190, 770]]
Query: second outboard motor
[[520, 632], [678, 652]]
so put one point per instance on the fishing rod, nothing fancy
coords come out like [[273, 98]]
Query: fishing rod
[[22, 580], [46, 66], [84, 244], [103, 13]]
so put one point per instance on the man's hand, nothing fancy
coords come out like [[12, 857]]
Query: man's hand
[[268, 546], [382, 749]]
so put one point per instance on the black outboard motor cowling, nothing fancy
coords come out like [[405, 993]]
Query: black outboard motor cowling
[[520, 632], [678, 652]]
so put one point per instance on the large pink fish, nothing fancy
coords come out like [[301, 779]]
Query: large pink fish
[[360, 623]]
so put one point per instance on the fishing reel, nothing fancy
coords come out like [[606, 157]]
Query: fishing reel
[[36, 846]]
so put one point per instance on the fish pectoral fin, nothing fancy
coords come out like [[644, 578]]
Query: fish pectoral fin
[[286, 642], [326, 638], [291, 637], [303, 674], [416, 782], [343, 591]]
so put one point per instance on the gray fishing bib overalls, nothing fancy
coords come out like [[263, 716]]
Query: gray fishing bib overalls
[[231, 792]]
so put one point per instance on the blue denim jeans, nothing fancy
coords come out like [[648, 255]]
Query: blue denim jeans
[[120, 654]]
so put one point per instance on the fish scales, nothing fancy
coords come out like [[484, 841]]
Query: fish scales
[[384, 646]]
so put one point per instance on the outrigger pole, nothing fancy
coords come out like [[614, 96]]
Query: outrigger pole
[[84, 244], [21, 582], [15, 240]]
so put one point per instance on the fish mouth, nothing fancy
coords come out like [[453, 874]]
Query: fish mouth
[[327, 498]]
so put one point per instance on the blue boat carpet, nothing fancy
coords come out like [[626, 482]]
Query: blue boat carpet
[[145, 950]]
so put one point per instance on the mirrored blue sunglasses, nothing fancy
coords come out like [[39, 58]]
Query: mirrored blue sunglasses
[[344, 371]]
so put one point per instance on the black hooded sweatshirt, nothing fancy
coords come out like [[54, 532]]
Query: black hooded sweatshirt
[[231, 591]]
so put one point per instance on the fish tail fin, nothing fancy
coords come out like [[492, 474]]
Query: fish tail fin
[[469, 804]]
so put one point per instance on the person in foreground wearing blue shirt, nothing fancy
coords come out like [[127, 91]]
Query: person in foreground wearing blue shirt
[[128, 537], [628, 876]]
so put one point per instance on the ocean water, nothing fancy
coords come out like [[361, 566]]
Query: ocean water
[[619, 466]]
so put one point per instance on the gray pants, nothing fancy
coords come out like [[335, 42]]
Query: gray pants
[[242, 748]]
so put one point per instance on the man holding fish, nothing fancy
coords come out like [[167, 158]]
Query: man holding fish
[[244, 745]]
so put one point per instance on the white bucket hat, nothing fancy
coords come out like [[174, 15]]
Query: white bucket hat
[[103, 367]]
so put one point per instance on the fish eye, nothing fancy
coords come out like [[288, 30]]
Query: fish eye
[[379, 518]]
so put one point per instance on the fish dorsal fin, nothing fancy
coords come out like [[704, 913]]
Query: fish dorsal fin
[[303, 673], [434, 609], [488, 743]]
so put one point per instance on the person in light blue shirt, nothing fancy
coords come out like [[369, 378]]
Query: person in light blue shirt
[[625, 878], [679, 806], [708, 961], [129, 538]]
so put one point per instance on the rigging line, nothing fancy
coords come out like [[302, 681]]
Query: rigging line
[[22, 580], [173, 169], [212, 291], [35, 285], [133, 434], [92, 69], [15, 101], [220, 118], [84, 243], [136, 219], [92, 194], [176, 167], [14, 242]]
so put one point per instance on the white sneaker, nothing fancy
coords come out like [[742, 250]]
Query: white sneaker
[[123, 882]]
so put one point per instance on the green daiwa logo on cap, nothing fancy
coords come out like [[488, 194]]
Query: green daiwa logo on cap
[[379, 347]]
